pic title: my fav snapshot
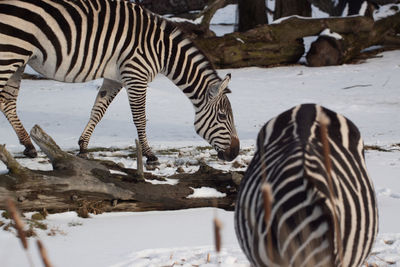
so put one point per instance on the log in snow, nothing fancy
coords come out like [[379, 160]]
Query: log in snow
[[88, 185], [282, 43]]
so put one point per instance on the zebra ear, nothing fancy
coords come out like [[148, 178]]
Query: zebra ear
[[221, 87]]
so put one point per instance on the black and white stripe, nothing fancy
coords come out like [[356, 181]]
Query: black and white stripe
[[301, 228], [82, 40]]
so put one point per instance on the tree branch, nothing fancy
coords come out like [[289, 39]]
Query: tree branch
[[13, 166]]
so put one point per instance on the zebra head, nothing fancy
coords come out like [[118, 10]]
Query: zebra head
[[214, 121]]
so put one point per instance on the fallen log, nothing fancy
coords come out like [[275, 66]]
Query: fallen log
[[86, 185], [282, 43]]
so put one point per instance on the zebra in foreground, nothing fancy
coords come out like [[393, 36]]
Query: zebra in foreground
[[83, 40], [310, 217]]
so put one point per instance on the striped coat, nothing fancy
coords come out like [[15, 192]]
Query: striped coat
[[307, 221], [83, 40]]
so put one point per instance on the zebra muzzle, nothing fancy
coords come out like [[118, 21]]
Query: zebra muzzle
[[232, 151]]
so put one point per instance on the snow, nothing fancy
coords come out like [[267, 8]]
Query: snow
[[226, 15], [206, 192], [328, 32], [366, 93], [386, 11], [129, 239], [167, 181], [363, 8]]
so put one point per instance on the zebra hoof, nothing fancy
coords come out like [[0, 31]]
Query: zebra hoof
[[30, 152], [152, 161], [83, 155]]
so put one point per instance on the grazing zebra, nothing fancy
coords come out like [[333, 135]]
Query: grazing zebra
[[313, 218], [83, 40]]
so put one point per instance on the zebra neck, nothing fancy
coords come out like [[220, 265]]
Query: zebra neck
[[187, 67]]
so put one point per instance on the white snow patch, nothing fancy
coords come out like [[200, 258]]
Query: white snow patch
[[206, 192], [386, 11], [372, 48], [226, 15], [363, 8], [117, 172], [345, 10], [167, 181], [280, 20], [186, 256], [222, 29], [177, 19], [318, 13], [328, 32], [240, 40]]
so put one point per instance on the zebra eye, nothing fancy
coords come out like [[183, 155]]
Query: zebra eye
[[221, 116]]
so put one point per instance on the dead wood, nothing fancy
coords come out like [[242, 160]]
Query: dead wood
[[282, 43], [88, 185]]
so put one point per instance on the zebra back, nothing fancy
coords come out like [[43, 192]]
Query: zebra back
[[300, 229]]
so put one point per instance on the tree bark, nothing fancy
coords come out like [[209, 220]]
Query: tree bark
[[285, 8], [251, 14], [89, 186]]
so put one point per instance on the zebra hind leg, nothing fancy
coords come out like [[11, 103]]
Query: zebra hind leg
[[8, 105], [108, 90]]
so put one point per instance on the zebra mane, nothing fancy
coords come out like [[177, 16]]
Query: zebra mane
[[172, 28]]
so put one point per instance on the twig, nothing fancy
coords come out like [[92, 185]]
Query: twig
[[209, 12], [270, 11], [19, 226], [217, 234], [385, 261], [43, 254], [357, 85], [387, 80]]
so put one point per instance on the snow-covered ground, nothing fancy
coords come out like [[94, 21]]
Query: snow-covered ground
[[367, 93]]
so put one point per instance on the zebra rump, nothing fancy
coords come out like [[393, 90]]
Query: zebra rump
[[315, 217]]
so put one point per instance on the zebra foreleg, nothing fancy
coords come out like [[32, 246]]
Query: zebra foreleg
[[108, 90], [137, 102], [8, 105]]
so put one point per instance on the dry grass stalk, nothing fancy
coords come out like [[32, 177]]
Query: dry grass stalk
[[139, 159], [268, 199], [208, 257], [43, 254], [389, 262], [19, 225], [324, 122], [217, 234]]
